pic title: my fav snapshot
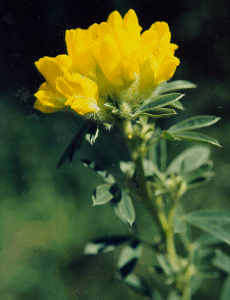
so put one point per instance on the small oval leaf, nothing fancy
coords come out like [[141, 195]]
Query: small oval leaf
[[102, 194], [193, 123], [190, 159], [126, 208]]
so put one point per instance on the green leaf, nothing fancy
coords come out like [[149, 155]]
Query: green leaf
[[92, 134], [139, 285], [191, 159], [218, 216], [222, 261], [203, 170], [102, 194], [159, 102], [200, 176], [148, 167], [213, 222], [196, 137], [104, 244], [167, 135], [204, 178], [127, 167], [126, 208], [75, 143], [193, 123], [156, 113], [196, 282], [177, 85], [225, 293], [128, 258], [99, 171], [207, 239], [178, 225], [164, 264], [173, 295], [177, 105], [109, 106]]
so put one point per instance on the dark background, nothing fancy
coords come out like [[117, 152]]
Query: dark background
[[47, 215]]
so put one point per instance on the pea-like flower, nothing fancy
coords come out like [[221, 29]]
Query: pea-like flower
[[64, 87], [108, 58]]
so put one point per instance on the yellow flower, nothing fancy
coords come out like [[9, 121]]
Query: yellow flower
[[119, 50], [112, 57], [64, 87]]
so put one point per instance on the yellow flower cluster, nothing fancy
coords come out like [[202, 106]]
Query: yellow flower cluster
[[105, 59]]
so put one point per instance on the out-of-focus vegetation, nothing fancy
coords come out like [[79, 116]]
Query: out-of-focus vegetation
[[46, 214]]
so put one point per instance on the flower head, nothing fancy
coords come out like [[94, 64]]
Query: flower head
[[107, 58]]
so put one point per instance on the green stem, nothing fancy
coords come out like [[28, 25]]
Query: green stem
[[137, 152], [188, 276], [170, 243], [147, 197]]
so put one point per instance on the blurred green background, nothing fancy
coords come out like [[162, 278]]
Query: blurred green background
[[46, 215]]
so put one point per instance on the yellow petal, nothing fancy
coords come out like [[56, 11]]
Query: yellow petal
[[51, 67], [122, 42], [172, 48], [132, 28], [48, 101], [110, 59], [162, 28], [149, 44], [115, 20], [78, 48], [167, 69], [77, 85], [103, 29], [130, 69], [82, 105], [161, 52]]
